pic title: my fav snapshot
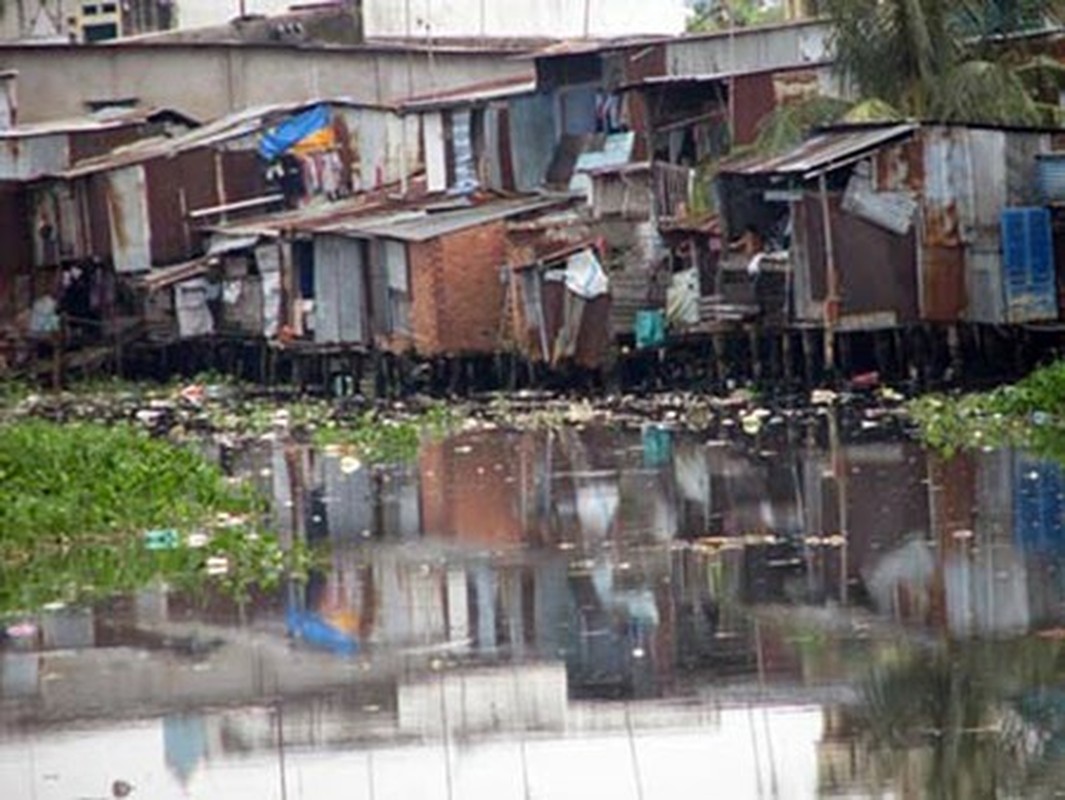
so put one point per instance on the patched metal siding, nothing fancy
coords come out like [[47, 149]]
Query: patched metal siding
[[532, 140], [746, 51], [380, 146], [983, 250], [339, 291], [23, 159], [127, 210], [1028, 260]]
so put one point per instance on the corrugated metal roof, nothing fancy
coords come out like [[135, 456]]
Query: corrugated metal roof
[[472, 94], [90, 123], [164, 277], [576, 47], [823, 153], [421, 225], [697, 78], [233, 126], [411, 222]]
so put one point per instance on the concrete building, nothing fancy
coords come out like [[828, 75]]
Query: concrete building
[[210, 80], [83, 20], [520, 18]]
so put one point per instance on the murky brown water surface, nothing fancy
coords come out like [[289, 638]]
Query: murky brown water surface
[[586, 613]]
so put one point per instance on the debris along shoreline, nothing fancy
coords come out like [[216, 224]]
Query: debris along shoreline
[[384, 431]]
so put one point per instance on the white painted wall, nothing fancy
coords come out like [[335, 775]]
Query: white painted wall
[[203, 13], [551, 18]]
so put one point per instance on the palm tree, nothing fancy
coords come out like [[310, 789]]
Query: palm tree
[[951, 60]]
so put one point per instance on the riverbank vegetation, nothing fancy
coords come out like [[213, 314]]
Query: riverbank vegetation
[[89, 510], [1029, 414]]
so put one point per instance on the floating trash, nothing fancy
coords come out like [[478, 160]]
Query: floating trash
[[165, 539], [217, 565], [22, 630], [349, 465]]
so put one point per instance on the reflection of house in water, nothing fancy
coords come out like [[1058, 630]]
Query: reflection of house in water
[[990, 561]]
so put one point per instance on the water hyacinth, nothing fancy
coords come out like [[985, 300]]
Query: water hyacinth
[[1029, 414], [89, 510]]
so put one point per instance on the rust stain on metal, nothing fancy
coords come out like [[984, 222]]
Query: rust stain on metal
[[114, 211], [941, 226], [943, 279]]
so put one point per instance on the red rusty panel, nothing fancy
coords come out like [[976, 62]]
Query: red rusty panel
[[594, 339], [943, 282], [177, 186], [900, 167], [642, 62], [89, 144], [877, 269], [245, 175], [94, 187], [15, 244], [755, 100]]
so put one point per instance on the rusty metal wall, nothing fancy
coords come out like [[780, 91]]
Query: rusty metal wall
[[630, 66], [93, 193], [748, 50], [983, 252], [27, 158], [174, 187], [877, 268], [245, 175], [594, 339], [128, 219], [16, 246], [380, 146], [90, 144], [755, 99], [340, 296], [970, 175]]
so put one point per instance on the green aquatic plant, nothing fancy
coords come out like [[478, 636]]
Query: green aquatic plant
[[88, 510], [377, 438], [1029, 414]]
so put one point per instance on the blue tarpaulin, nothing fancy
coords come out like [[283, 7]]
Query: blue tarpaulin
[[317, 632], [292, 131]]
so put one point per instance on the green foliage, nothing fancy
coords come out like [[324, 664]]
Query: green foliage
[[790, 124], [379, 439], [932, 59], [76, 501], [1028, 414], [719, 15]]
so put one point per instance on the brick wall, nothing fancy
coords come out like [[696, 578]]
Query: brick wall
[[457, 299]]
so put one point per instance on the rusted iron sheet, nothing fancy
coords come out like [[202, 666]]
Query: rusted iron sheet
[[244, 176], [95, 143], [24, 159], [127, 206], [94, 189], [173, 188], [822, 153], [947, 186], [900, 167], [15, 244], [755, 99], [594, 339], [944, 297], [877, 269]]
